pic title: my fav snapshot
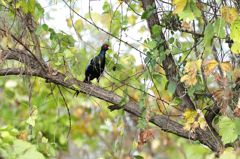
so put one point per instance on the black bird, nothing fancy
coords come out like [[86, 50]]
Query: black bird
[[95, 66]]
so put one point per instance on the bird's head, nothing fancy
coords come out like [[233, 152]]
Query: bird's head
[[105, 47]]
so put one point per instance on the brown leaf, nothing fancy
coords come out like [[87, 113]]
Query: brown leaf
[[186, 25], [148, 134], [143, 136], [200, 6], [218, 93], [237, 112], [23, 135], [211, 65], [140, 139], [219, 79]]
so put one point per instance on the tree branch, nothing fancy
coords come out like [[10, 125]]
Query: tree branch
[[163, 122]]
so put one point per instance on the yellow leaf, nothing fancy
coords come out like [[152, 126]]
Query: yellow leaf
[[4, 3], [69, 23], [226, 66], [211, 65], [180, 6], [236, 48], [198, 64], [23, 135], [229, 16], [233, 14], [191, 69], [203, 123], [186, 77], [186, 126], [190, 115], [236, 74], [35, 109]]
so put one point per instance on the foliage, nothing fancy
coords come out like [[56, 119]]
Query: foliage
[[182, 79]]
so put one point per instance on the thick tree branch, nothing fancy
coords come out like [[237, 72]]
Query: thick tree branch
[[163, 122]]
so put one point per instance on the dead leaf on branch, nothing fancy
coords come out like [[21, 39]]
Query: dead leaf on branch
[[194, 120], [23, 135], [221, 81], [192, 68], [143, 136], [222, 97], [220, 94], [236, 75], [229, 15], [226, 66], [200, 6], [186, 25], [212, 64], [237, 112]]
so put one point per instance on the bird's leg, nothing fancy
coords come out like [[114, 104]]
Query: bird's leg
[[98, 83], [89, 79]]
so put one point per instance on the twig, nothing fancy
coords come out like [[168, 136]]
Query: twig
[[69, 115]]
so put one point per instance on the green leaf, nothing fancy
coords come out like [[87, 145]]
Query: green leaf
[[142, 87], [119, 121], [51, 150], [67, 78], [218, 27], [39, 14], [208, 34], [237, 125], [135, 144], [138, 157], [149, 7], [195, 9], [149, 14], [20, 146], [172, 87], [122, 101], [108, 153], [44, 140], [176, 102], [45, 27], [81, 57], [151, 44], [186, 13], [121, 112], [24, 7], [158, 78], [31, 6], [144, 96], [144, 15], [142, 124], [124, 22], [39, 30], [191, 90], [171, 40], [144, 112], [141, 103], [156, 28], [228, 130]]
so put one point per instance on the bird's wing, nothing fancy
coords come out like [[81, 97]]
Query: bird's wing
[[89, 63]]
